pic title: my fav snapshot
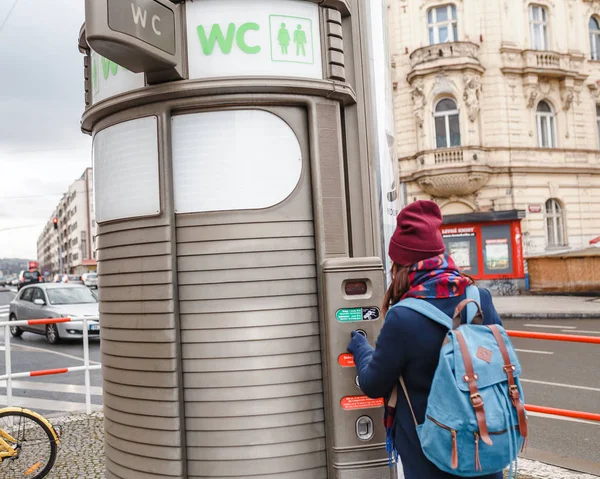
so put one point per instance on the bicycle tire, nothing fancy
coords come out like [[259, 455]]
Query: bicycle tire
[[53, 446]]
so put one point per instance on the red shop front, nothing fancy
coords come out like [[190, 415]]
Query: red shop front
[[486, 246]]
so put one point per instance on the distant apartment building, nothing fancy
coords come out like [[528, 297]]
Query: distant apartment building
[[75, 213], [497, 109]]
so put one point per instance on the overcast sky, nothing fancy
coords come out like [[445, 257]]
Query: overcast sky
[[42, 150]]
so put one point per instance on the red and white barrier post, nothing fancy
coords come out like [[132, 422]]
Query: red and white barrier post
[[8, 376], [558, 337]]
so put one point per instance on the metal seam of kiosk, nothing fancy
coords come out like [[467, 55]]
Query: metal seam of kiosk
[[167, 192], [216, 88]]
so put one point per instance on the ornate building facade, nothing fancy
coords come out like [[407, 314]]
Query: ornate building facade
[[497, 110]]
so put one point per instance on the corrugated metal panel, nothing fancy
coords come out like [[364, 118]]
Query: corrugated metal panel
[[139, 350], [252, 376]]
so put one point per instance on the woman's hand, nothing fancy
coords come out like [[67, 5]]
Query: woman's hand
[[356, 341]]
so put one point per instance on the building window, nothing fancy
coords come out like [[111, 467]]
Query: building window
[[447, 128], [598, 121], [538, 19], [594, 38], [555, 223], [443, 26], [546, 125]]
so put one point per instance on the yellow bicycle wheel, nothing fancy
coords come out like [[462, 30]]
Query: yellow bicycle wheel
[[35, 445]]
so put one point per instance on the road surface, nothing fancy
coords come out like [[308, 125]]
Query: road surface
[[48, 394], [565, 376]]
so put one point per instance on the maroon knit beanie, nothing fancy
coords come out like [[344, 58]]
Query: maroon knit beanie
[[417, 236]]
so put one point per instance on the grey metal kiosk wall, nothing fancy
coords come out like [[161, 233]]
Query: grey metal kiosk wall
[[238, 239]]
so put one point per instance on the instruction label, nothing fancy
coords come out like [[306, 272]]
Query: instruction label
[[351, 403], [352, 315]]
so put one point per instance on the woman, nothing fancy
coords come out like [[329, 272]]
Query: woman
[[409, 343]]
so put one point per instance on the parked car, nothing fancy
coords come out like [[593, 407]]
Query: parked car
[[55, 300], [29, 277], [90, 280]]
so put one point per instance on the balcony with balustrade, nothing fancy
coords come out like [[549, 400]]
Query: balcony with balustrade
[[448, 172], [542, 63], [444, 57]]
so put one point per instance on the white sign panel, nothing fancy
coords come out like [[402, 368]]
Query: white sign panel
[[233, 160], [241, 38], [381, 78], [126, 181], [110, 79]]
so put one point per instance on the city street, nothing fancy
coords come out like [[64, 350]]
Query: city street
[[48, 394]]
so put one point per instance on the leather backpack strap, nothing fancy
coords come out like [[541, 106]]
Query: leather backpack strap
[[471, 379], [412, 411], [509, 369], [477, 318], [394, 399]]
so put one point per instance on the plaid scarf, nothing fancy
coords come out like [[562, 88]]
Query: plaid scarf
[[436, 277]]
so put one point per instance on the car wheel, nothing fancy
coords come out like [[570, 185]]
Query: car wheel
[[15, 330], [52, 334]]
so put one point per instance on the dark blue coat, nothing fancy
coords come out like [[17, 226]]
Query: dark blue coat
[[409, 345]]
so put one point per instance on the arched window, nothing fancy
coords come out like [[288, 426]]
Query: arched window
[[546, 125], [442, 23], [594, 26], [538, 22], [555, 230], [447, 127]]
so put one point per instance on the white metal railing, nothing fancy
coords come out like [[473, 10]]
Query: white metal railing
[[9, 375]]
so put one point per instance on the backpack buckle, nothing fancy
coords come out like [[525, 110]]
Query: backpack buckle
[[476, 398], [509, 367]]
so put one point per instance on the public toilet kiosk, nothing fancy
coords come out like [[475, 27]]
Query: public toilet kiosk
[[245, 184]]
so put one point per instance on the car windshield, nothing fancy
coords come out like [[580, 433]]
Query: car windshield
[[70, 296], [92, 276]]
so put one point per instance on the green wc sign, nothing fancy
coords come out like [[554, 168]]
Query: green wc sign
[[272, 38], [110, 79]]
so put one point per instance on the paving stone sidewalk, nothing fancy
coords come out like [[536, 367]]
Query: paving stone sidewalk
[[81, 453], [81, 449], [548, 307]]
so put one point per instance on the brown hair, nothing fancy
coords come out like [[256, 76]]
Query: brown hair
[[400, 285]]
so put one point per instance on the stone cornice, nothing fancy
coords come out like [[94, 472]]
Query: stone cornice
[[490, 149]]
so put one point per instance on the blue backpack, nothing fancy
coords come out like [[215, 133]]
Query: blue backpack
[[475, 422]]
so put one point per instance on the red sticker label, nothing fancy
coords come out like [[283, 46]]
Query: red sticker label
[[350, 403], [346, 360]]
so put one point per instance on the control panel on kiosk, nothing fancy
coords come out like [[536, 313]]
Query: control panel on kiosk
[[353, 290]]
